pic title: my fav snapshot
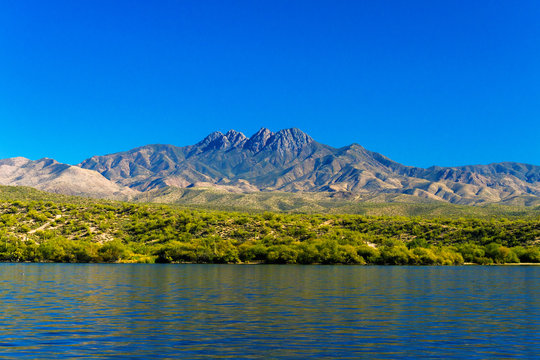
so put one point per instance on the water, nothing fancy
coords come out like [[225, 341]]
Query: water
[[243, 311]]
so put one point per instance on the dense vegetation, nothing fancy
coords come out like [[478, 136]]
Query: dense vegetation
[[66, 229]]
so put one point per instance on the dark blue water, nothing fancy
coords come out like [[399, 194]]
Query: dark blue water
[[219, 311]]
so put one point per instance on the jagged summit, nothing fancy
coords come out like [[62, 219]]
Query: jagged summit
[[289, 139], [292, 139], [258, 140], [215, 140], [236, 138]]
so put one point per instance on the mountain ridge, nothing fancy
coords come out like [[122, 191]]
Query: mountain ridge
[[288, 160]]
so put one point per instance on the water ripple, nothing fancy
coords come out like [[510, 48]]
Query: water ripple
[[288, 312]]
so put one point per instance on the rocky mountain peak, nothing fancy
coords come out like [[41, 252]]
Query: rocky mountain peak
[[236, 138], [258, 140], [289, 139], [214, 141]]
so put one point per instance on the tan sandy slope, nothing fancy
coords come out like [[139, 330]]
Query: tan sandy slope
[[50, 175]]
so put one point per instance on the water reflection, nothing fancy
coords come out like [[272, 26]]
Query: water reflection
[[211, 311]]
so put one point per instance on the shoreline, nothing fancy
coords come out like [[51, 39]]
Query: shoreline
[[263, 263]]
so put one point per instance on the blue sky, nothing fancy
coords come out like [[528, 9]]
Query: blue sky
[[422, 82]]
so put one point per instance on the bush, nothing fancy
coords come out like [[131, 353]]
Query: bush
[[396, 255], [112, 251], [176, 252], [501, 254], [281, 254]]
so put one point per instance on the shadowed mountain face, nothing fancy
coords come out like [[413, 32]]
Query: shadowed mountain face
[[290, 160]]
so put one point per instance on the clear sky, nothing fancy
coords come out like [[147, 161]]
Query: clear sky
[[422, 82]]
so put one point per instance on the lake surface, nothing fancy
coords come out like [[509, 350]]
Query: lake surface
[[268, 311]]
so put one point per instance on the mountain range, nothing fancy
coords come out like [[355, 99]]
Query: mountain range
[[288, 161]]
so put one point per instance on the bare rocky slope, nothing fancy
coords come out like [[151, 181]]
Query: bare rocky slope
[[291, 161], [50, 175]]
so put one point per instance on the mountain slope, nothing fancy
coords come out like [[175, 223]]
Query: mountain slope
[[50, 175], [326, 203], [291, 161], [285, 161], [261, 160]]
